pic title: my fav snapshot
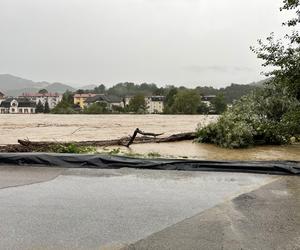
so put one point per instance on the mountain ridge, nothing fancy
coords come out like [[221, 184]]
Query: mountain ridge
[[12, 85]]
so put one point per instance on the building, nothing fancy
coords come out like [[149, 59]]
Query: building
[[127, 100], [2, 97], [155, 104], [79, 99], [207, 99], [17, 106], [52, 98], [111, 101]]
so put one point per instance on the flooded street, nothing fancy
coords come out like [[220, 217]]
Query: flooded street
[[40, 127]]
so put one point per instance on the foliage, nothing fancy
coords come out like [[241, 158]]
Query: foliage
[[66, 106], [72, 149], [261, 117], [154, 155], [219, 104], [283, 55], [137, 104], [186, 102], [271, 115], [46, 107], [202, 109], [96, 108], [43, 91], [100, 89], [170, 99], [39, 107], [236, 91]]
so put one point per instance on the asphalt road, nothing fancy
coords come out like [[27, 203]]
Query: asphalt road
[[267, 218], [57, 208]]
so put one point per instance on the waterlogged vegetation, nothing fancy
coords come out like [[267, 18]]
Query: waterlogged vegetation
[[264, 117], [120, 152], [270, 115], [72, 149]]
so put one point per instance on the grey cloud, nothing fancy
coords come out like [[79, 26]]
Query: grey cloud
[[177, 42]]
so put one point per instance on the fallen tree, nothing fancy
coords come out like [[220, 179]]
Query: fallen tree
[[48, 146]]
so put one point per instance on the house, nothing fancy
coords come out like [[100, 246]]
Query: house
[[155, 104], [17, 106], [207, 99], [111, 101], [2, 97], [52, 98], [127, 100], [79, 99]]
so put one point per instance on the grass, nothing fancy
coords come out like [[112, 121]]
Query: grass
[[72, 149]]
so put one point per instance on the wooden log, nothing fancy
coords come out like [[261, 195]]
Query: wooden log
[[45, 146], [138, 131]]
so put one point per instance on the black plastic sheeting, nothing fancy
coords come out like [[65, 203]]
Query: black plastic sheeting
[[115, 162]]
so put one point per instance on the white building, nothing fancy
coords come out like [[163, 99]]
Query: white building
[[17, 106], [155, 104], [2, 97], [52, 98]]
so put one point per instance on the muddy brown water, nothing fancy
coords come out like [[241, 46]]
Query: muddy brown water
[[41, 127]]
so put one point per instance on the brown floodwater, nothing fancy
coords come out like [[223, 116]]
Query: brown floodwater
[[41, 127]]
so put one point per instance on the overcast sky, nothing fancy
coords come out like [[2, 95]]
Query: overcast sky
[[180, 42]]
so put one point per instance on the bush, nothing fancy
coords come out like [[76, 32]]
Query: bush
[[72, 149], [267, 116]]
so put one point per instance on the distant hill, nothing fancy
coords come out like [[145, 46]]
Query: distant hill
[[13, 86], [59, 87], [88, 87]]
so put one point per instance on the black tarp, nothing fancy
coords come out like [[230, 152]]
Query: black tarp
[[115, 162]]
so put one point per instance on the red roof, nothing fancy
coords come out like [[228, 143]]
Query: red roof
[[40, 95]]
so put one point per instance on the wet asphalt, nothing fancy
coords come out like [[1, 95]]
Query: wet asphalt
[[57, 208]]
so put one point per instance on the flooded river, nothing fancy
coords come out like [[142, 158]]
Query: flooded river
[[40, 127]]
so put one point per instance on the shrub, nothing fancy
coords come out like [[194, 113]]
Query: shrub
[[267, 116]]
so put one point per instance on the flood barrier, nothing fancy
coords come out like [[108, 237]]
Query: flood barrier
[[115, 162]]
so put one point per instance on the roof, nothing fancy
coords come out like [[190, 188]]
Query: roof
[[114, 99], [22, 103], [208, 97], [104, 98], [95, 98], [156, 98], [1, 94], [40, 95], [84, 95]]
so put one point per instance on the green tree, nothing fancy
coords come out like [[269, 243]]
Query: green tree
[[283, 55], [96, 108], [46, 108], [66, 106], [202, 108], [137, 104], [170, 99], [186, 102], [219, 104], [43, 91], [39, 107], [80, 91], [270, 115], [100, 89]]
